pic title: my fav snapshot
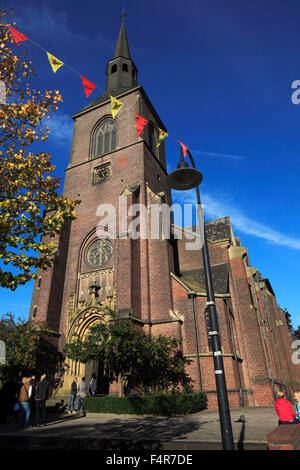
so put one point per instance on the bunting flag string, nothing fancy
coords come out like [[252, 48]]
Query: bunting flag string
[[54, 62], [89, 87], [115, 106], [184, 147], [18, 37], [161, 136], [140, 123]]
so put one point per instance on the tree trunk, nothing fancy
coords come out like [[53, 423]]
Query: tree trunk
[[122, 382]]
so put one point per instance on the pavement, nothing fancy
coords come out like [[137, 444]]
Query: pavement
[[100, 431]]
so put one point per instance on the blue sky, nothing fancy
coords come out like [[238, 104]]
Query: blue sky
[[219, 74]]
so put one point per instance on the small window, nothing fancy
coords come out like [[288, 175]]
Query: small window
[[105, 138], [34, 311], [114, 68], [151, 141], [39, 282], [125, 67]]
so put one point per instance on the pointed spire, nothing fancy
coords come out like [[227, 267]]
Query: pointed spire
[[122, 47]]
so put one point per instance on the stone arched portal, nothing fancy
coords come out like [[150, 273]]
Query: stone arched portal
[[79, 327]]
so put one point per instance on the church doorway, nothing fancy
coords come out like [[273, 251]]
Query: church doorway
[[102, 380]]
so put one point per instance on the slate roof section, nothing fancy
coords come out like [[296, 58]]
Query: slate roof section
[[99, 100], [194, 278], [122, 47], [106, 97]]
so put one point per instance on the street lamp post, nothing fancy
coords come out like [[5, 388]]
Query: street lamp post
[[185, 178]]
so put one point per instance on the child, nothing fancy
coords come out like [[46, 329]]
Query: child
[[284, 410], [297, 400]]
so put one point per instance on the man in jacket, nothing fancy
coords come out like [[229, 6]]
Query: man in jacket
[[93, 385], [81, 391], [41, 395], [284, 410], [23, 399]]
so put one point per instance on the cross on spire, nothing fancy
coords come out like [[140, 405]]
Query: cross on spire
[[123, 15]]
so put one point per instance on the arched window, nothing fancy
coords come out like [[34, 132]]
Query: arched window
[[105, 138], [114, 68], [124, 67], [34, 311]]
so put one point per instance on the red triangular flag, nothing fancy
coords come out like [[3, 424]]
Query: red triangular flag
[[140, 123], [18, 37], [88, 86], [184, 148]]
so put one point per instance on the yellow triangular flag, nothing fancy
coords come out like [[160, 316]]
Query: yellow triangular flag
[[54, 62], [161, 136], [115, 106]]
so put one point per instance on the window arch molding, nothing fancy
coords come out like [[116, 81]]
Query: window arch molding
[[103, 137]]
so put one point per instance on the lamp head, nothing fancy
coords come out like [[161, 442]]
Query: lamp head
[[184, 177]]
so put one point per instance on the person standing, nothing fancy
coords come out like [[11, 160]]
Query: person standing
[[93, 385], [32, 383], [81, 391], [284, 410], [41, 395], [297, 401], [23, 399], [73, 396]]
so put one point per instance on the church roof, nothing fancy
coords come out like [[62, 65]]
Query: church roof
[[194, 278], [106, 97], [122, 47], [101, 99]]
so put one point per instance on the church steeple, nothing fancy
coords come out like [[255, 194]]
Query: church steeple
[[122, 47], [121, 72]]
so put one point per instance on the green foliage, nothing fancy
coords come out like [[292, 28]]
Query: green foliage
[[133, 357], [22, 339], [158, 404]]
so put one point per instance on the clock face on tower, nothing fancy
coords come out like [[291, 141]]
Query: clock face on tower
[[99, 253]]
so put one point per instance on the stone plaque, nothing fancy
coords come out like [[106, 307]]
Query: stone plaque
[[101, 173]]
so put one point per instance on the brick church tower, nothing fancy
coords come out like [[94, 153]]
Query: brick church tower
[[155, 282]]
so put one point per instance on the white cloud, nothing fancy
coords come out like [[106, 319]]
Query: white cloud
[[219, 155], [216, 208], [61, 128]]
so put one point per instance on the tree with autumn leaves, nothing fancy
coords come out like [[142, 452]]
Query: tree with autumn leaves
[[31, 210]]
